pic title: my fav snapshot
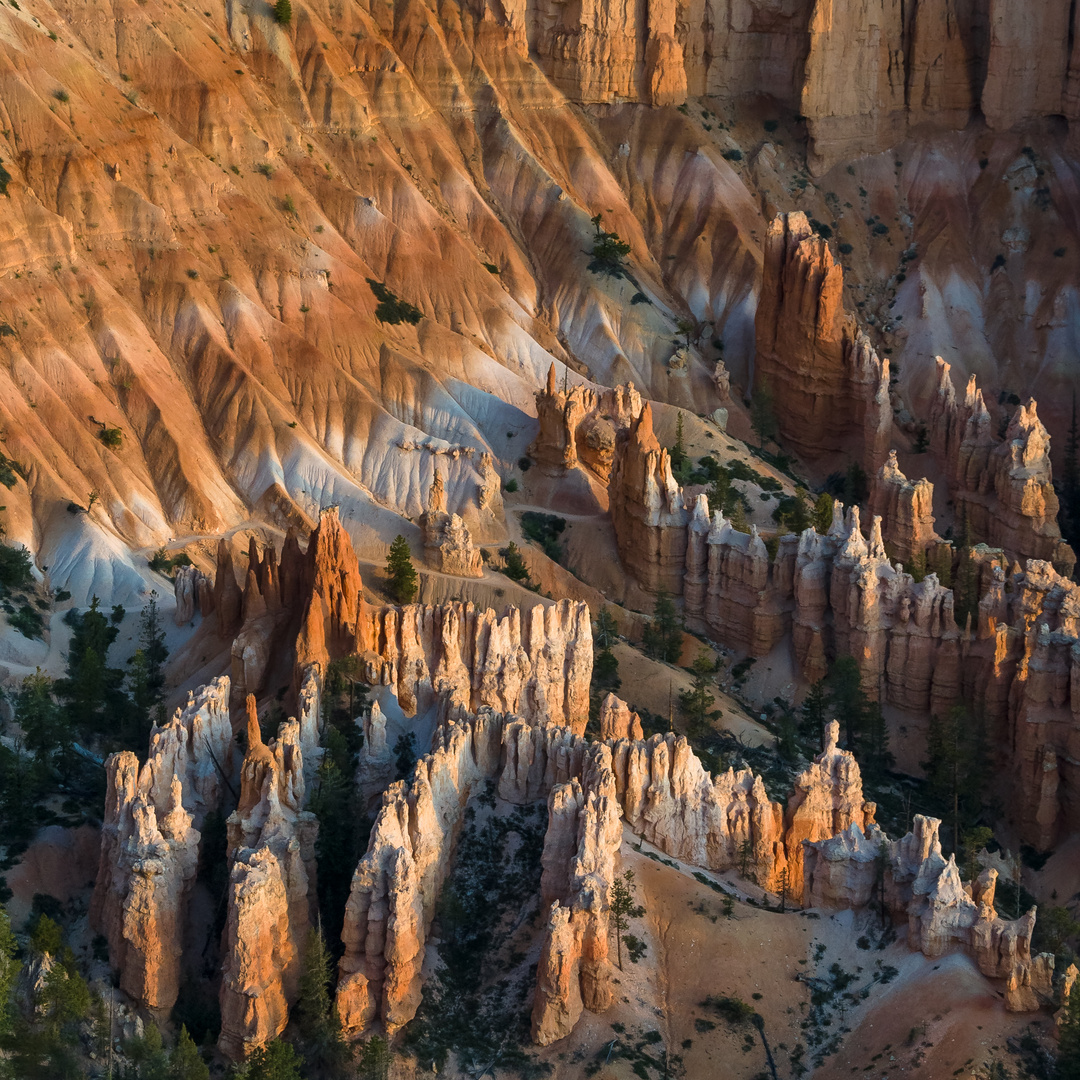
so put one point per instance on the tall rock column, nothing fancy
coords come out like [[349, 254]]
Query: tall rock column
[[647, 510], [830, 389], [906, 510]]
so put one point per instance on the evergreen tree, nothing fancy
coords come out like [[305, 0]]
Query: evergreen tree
[[856, 485], [956, 766], [623, 908], [374, 1059], [677, 454], [738, 519], [276, 1060], [401, 572], [184, 1061], [91, 690], [823, 512], [283, 12], [814, 708], [876, 758], [607, 629], [47, 730], [9, 970], [1067, 1066], [662, 638], [763, 415], [847, 701], [696, 701], [325, 1050]]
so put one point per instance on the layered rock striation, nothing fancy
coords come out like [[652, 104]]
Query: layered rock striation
[[647, 509], [830, 390]]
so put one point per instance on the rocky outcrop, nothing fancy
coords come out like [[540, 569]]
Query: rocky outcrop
[[392, 899], [271, 892], [150, 843], [942, 912], [447, 543], [536, 664], [333, 595], [194, 592], [669, 799], [579, 425], [536, 758], [617, 721], [830, 390], [1002, 489], [827, 799], [582, 840], [906, 509], [647, 510]]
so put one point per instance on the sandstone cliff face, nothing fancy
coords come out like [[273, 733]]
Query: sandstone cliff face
[[396, 884], [647, 510], [669, 799], [536, 664], [1003, 489], [830, 389], [926, 891], [580, 426], [271, 891], [580, 846], [150, 843], [447, 542], [906, 509]]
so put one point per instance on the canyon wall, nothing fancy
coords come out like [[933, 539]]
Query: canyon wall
[[861, 74]]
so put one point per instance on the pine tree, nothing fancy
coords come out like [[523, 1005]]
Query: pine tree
[[374, 1059], [696, 701], [623, 908], [956, 766], [762, 414], [401, 572], [662, 638], [607, 629], [276, 1060], [325, 1050], [91, 690], [9, 970], [283, 12], [184, 1061], [738, 519], [823, 513], [677, 453], [1068, 1056], [47, 730], [814, 708], [746, 857], [876, 757], [847, 700]]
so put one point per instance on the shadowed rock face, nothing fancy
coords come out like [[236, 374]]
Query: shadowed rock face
[[830, 389]]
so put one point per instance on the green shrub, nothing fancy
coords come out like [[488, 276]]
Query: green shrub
[[511, 485], [10, 470], [491, 268], [392, 310], [112, 437], [734, 1010], [733, 155], [27, 621]]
